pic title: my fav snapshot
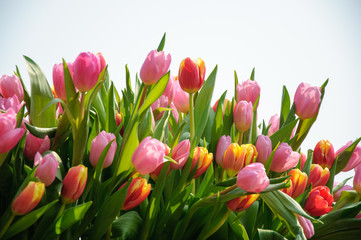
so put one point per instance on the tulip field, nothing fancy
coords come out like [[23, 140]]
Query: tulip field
[[165, 159]]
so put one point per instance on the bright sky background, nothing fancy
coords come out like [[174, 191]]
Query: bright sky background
[[287, 42]]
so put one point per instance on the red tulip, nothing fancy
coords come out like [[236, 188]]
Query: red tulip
[[74, 184], [191, 74], [242, 203], [138, 191], [324, 154], [29, 197], [201, 160], [319, 201]]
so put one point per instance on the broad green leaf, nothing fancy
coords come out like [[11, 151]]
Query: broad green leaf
[[265, 234], [98, 104], [159, 130], [235, 85], [129, 91], [249, 218], [161, 44], [344, 157], [145, 125], [283, 133], [340, 185], [127, 226], [218, 123], [41, 132], [129, 148], [345, 198], [206, 182], [111, 124], [237, 227], [285, 105], [69, 84], [252, 74]]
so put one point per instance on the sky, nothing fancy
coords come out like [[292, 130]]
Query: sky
[[288, 42]]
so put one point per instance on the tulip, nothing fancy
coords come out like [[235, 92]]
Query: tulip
[[118, 118], [307, 99], [10, 86], [242, 203], [202, 159], [148, 155], [357, 180], [46, 171], [222, 146], [337, 194], [243, 116], [319, 201], [306, 225], [154, 67], [58, 79], [191, 74], [181, 98], [237, 157], [275, 124], [299, 182], [34, 144], [355, 159], [264, 148], [28, 198], [86, 71], [74, 183], [8, 133], [253, 178], [154, 175], [324, 154], [226, 105], [10, 102], [161, 102], [318, 175], [248, 91], [137, 192], [284, 158], [97, 146], [102, 62], [174, 112], [303, 160], [180, 154], [169, 91]]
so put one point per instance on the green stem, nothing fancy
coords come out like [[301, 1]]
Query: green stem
[[61, 210], [240, 138], [143, 95], [191, 117], [357, 198], [7, 225], [81, 111]]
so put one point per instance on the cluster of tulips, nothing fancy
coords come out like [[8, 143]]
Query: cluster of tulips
[[80, 160]]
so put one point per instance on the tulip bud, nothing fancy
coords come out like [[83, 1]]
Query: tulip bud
[[253, 178], [28, 198], [319, 201], [174, 112], [307, 99], [201, 160], [10, 86], [97, 146], [154, 67], [180, 154], [137, 192], [275, 124], [8, 131], [284, 158], [324, 154], [169, 91], [34, 144], [58, 79], [242, 203], [248, 91], [181, 98], [191, 74], [299, 182], [264, 148], [303, 160], [222, 146], [10, 102], [74, 183], [237, 157], [357, 180], [337, 194], [226, 104], [46, 171], [148, 155], [355, 159], [102, 62], [306, 225], [86, 71], [318, 175], [243, 116]]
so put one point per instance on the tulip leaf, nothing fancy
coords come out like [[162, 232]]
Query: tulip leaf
[[206, 182], [161, 44], [344, 157], [145, 125], [285, 105], [27, 99], [340, 185], [127, 226], [283, 133], [218, 123], [353, 233], [265, 234], [235, 85], [160, 128], [129, 91], [252, 74], [268, 163], [98, 104], [130, 146], [69, 86], [249, 218], [345, 198], [111, 124], [62, 132], [41, 132]]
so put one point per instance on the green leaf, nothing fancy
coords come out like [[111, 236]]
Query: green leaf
[[265, 234], [252, 74], [285, 105], [283, 133], [159, 130], [206, 183], [235, 84], [237, 227], [161, 44], [340, 185], [129, 91], [69, 84], [217, 127], [129, 148], [26, 92], [145, 126], [41, 132], [110, 116], [269, 160], [127, 226], [344, 157]]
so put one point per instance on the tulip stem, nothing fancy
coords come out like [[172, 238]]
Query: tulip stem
[[7, 225], [61, 210], [191, 117], [240, 138], [145, 90]]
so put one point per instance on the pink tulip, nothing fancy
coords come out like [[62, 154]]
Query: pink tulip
[[180, 154], [248, 91], [181, 98], [58, 79], [34, 144], [306, 225], [307, 99], [275, 124], [148, 156], [8, 133], [337, 195], [10, 86], [102, 62], [357, 180], [97, 146], [253, 178], [86, 71], [243, 115], [222, 146], [28, 198], [154, 67], [74, 183], [10, 102], [169, 91], [355, 158], [161, 102], [284, 158], [46, 171], [264, 148], [174, 112]]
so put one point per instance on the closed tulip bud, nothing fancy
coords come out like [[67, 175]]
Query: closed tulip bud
[[284, 158], [181, 98], [237, 157], [137, 192], [306, 225], [319, 201], [299, 182], [58, 79], [242, 203], [74, 183], [318, 175], [10, 86], [324, 154], [222, 146], [307, 100], [154, 67], [226, 105], [28, 198], [118, 118], [355, 159], [253, 178], [46, 171], [148, 155], [180, 154], [201, 160], [191, 74], [248, 91], [243, 116], [337, 194], [86, 71], [10, 102], [357, 180], [34, 144], [102, 62], [169, 91], [97, 146], [174, 112], [8, 133], [264, 148], [275, 124]]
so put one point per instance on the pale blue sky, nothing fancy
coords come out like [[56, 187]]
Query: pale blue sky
[[287, 41]]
